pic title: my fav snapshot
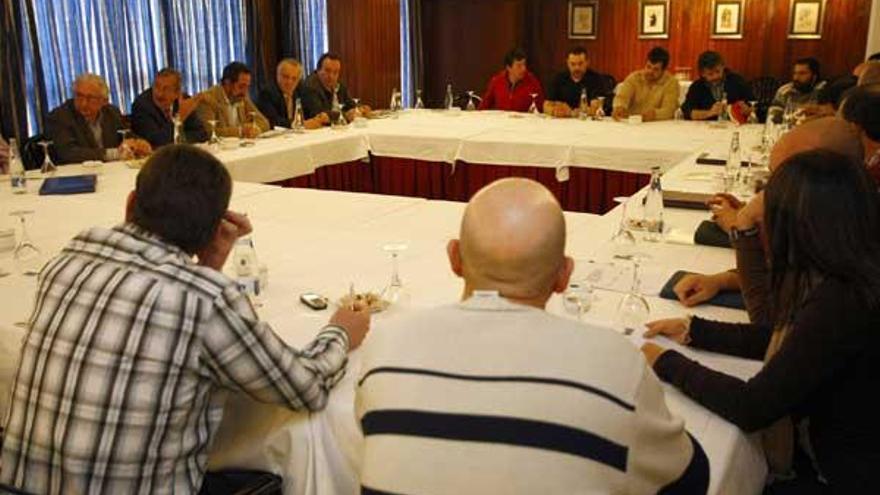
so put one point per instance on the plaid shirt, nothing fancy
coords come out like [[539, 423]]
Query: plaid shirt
[[129, 344]]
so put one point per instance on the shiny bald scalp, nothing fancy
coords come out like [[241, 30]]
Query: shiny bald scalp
[[512, 239]]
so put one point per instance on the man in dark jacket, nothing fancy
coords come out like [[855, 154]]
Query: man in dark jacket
[[153, 111], [278, 101], [87, 127], [705, 97]]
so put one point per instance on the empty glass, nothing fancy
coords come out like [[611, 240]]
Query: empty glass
[[578, 298], [393, 292], [420, 104], [48, 167], [533, 108], [358, 117], [26, 256], [753, 115], [470, 104], [214, 141], [633, 311], [623, 240]]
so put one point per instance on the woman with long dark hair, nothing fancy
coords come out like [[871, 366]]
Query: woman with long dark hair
[[822, 352]]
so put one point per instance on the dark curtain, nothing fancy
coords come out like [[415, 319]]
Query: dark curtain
[[17, 37]]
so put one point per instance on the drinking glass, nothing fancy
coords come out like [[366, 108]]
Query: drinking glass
[[633, 311], [48, 167], [533, 108], [394, 291], [578, 298], [26, 256]]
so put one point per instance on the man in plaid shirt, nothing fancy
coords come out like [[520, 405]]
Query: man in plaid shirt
[[132, 344]]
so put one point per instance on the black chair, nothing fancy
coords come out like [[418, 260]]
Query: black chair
[[242, 482], [764, 89]]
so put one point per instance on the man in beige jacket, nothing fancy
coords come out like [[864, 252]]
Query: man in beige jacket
[[229, 106], [650, 92]]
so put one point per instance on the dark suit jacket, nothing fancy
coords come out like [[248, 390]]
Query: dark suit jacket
[[270, 101], [149, 122], [72, 139], [318, 99], [699, 95]]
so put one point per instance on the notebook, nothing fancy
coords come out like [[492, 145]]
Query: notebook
[[710, 234], [74, 184]]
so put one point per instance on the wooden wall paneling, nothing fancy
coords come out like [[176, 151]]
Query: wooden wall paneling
[[366, 35], [489, 27], [465, 42]]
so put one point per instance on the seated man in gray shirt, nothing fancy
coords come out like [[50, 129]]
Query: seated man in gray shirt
[[495, 395], [86, 127]]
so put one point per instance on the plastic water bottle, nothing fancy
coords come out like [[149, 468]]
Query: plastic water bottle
[[654, 208], [16, 169], [734, 161]]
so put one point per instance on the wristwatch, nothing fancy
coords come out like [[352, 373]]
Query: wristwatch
[[736, 234]]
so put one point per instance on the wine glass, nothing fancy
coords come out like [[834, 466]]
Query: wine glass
[[26, 254], [753, 116], [214, 140], [633, 311], [470, 104], [393, 292], [48, 167], [533, 108], [358, 117], [623, 239], [578, 298], [420, 104]]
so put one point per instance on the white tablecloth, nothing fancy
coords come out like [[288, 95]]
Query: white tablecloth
[[323, 241], [488, 137]]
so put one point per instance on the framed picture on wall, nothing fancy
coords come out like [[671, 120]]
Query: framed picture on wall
[[583, 19], [653, 19], [805, 19], [727, 19]]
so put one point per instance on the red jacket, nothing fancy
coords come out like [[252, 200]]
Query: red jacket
[[499, 96]]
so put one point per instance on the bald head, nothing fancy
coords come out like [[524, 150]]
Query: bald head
[[829, 133], [513, 241]]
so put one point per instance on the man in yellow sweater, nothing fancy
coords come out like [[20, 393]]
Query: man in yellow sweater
[[650, 92]]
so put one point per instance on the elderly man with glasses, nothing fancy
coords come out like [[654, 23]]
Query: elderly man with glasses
[[86, 127]]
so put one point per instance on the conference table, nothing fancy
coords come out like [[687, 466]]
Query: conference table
[[440, 154], [314, 240]]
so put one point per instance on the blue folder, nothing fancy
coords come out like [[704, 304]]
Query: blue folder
[[74, 184]]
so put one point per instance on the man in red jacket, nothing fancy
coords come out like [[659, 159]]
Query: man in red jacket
[[512, 88]]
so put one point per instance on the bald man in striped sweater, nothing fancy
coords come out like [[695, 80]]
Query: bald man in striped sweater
[[495, 395]]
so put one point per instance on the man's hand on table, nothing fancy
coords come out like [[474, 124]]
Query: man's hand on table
[[355, 322], [232, 226]]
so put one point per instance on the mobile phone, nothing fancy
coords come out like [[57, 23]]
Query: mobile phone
[[314, 301]]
